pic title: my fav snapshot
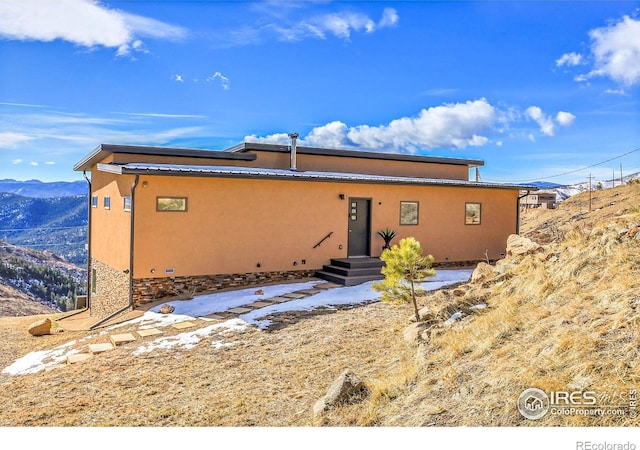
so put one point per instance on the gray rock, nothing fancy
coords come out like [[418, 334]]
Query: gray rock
[[167, 309], [412, 332], [347, 388]]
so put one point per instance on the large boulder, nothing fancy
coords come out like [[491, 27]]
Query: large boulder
[[520, 246], [348, 387], [41, 327], [483, 272]]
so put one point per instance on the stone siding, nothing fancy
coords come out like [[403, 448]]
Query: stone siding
[[111, 290], [147, 290]]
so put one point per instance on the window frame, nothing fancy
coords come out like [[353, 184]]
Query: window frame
[[94, 201], [126, 200], [170, 197], [107, 202], [466, 213], [406, 204]]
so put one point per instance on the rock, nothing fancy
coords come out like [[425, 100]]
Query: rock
[[259, 292], [521, 246], [348, 387], [459, 292], [483, 272], [41, 327], [167, 309], [412, 332]]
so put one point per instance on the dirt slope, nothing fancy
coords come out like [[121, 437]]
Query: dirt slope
[[564, 317]]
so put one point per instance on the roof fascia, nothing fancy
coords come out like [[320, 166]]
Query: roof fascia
[[104, 150], [248, 146]]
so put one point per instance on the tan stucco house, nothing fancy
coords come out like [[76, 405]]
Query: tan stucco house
[[166, 221]]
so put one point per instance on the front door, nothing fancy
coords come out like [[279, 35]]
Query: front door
[[359, 227]]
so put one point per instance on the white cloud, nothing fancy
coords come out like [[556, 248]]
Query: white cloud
[[224, 81], [615, 91], [33, 163], [177, 77], [565, 119], [546, 122], [569, 59], [389, 18], [455, 125], [616, 52], [10, 139], [16, 161], [86, 23], [341, 25], [49, 163]]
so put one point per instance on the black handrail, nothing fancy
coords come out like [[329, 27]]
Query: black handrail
[[323, 239]]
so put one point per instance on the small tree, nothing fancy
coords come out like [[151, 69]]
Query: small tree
[[405, 267]]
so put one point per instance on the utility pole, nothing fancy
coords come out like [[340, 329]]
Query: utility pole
[[590, 177], [621, 182]]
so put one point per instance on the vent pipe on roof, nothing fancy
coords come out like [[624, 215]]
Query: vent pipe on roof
[[294, 138]]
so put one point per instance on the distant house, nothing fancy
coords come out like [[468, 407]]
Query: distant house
[[167, 221], [539, 199]]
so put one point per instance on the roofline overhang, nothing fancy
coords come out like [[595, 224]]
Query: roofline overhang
[[104, 150], [290, 175], [249, 146]]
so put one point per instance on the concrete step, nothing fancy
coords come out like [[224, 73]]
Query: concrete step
[[349, 272], [347, 280], [357, 263]]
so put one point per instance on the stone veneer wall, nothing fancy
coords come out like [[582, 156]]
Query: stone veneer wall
[[147, 290], [112, 289]]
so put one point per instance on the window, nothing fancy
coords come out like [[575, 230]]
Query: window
[[94, 201], [472, 214], [171, 203], [408, 213], [127, 203], [107, 202]]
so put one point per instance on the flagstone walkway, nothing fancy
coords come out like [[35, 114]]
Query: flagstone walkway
[[116, 340]]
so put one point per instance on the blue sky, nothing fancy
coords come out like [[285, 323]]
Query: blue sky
[[534, 88]]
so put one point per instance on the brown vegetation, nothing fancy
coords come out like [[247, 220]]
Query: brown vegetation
[[561, 318]]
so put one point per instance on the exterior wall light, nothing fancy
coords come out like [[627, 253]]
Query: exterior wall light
[[341, 196]]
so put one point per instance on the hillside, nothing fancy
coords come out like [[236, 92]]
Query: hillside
[[561, 316], [41, 189], [37, 282], [56, 224]]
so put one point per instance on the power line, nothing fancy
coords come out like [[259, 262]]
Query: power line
[[577, 170]]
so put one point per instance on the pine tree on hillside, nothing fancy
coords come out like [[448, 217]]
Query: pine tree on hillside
[[405, 268]]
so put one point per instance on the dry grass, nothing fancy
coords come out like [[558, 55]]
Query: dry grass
[[564, 318]]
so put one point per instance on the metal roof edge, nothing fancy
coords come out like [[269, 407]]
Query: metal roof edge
[[104, 150], [283, 174], [248, 146]]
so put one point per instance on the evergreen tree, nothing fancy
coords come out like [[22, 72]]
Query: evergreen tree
[[405, 267]]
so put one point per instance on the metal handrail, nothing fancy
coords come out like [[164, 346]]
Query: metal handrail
[[323, 239]]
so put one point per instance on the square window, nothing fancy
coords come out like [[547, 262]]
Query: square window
[[107, 202], [472, 214], [408, 213], [171, 204], [126, 203], [94, 201]]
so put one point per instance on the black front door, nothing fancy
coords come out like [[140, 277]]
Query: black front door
[[359, 227]]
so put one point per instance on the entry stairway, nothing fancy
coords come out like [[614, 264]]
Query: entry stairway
[[352, 271]]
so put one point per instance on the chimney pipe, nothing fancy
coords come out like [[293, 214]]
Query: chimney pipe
[[294, 138]]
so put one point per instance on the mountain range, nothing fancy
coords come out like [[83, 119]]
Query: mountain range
[[41, 189], [46, 216]]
